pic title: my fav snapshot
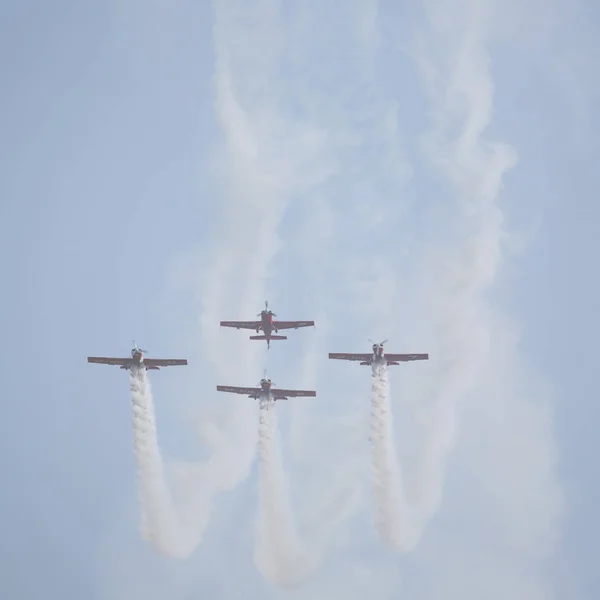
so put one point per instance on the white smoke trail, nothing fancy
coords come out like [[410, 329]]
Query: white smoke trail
[[392, 520], [278, 553], [461, 89], [154, 500], [233, 284], [160, 526]]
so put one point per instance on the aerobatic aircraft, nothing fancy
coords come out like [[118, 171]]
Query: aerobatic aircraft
[[137, 360], [267, 325], [378, 356], [266, 393]]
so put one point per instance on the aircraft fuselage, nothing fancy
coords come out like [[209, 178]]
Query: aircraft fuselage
[[378, 354], [266, 323], [378, 357], [265, 397]]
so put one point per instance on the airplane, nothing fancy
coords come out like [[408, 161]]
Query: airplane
[[379, 356], [266, 393], [267, 325], [137, 359]]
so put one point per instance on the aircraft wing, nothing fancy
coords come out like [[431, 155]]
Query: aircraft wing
[[245, 391], [406, 357], [356, 357], [165, 362], [282, 394], [109, 361], [293, 324], [241, 324]]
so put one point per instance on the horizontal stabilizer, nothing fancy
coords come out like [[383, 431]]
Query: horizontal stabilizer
[[264, 337]]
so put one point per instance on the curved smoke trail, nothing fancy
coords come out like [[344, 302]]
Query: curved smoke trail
[[464, 273], [279, 554], [162, 527]]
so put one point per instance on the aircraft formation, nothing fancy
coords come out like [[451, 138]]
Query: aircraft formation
[[268, 325]]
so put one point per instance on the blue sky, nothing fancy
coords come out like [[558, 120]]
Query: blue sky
[[166, 165]]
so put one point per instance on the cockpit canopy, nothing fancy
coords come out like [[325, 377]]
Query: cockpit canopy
[[378, 349]]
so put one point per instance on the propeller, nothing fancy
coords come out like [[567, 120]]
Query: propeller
[[135, 347], [265, 377], [379, 344], [266, 309]]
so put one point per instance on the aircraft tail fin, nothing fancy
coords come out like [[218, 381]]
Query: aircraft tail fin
[[264, 337]]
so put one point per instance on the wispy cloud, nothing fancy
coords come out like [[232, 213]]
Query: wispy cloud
[[290, 137], [270, 157], [472, 354], [454, 62], [338, 268], [310, 123], [265, 159]]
